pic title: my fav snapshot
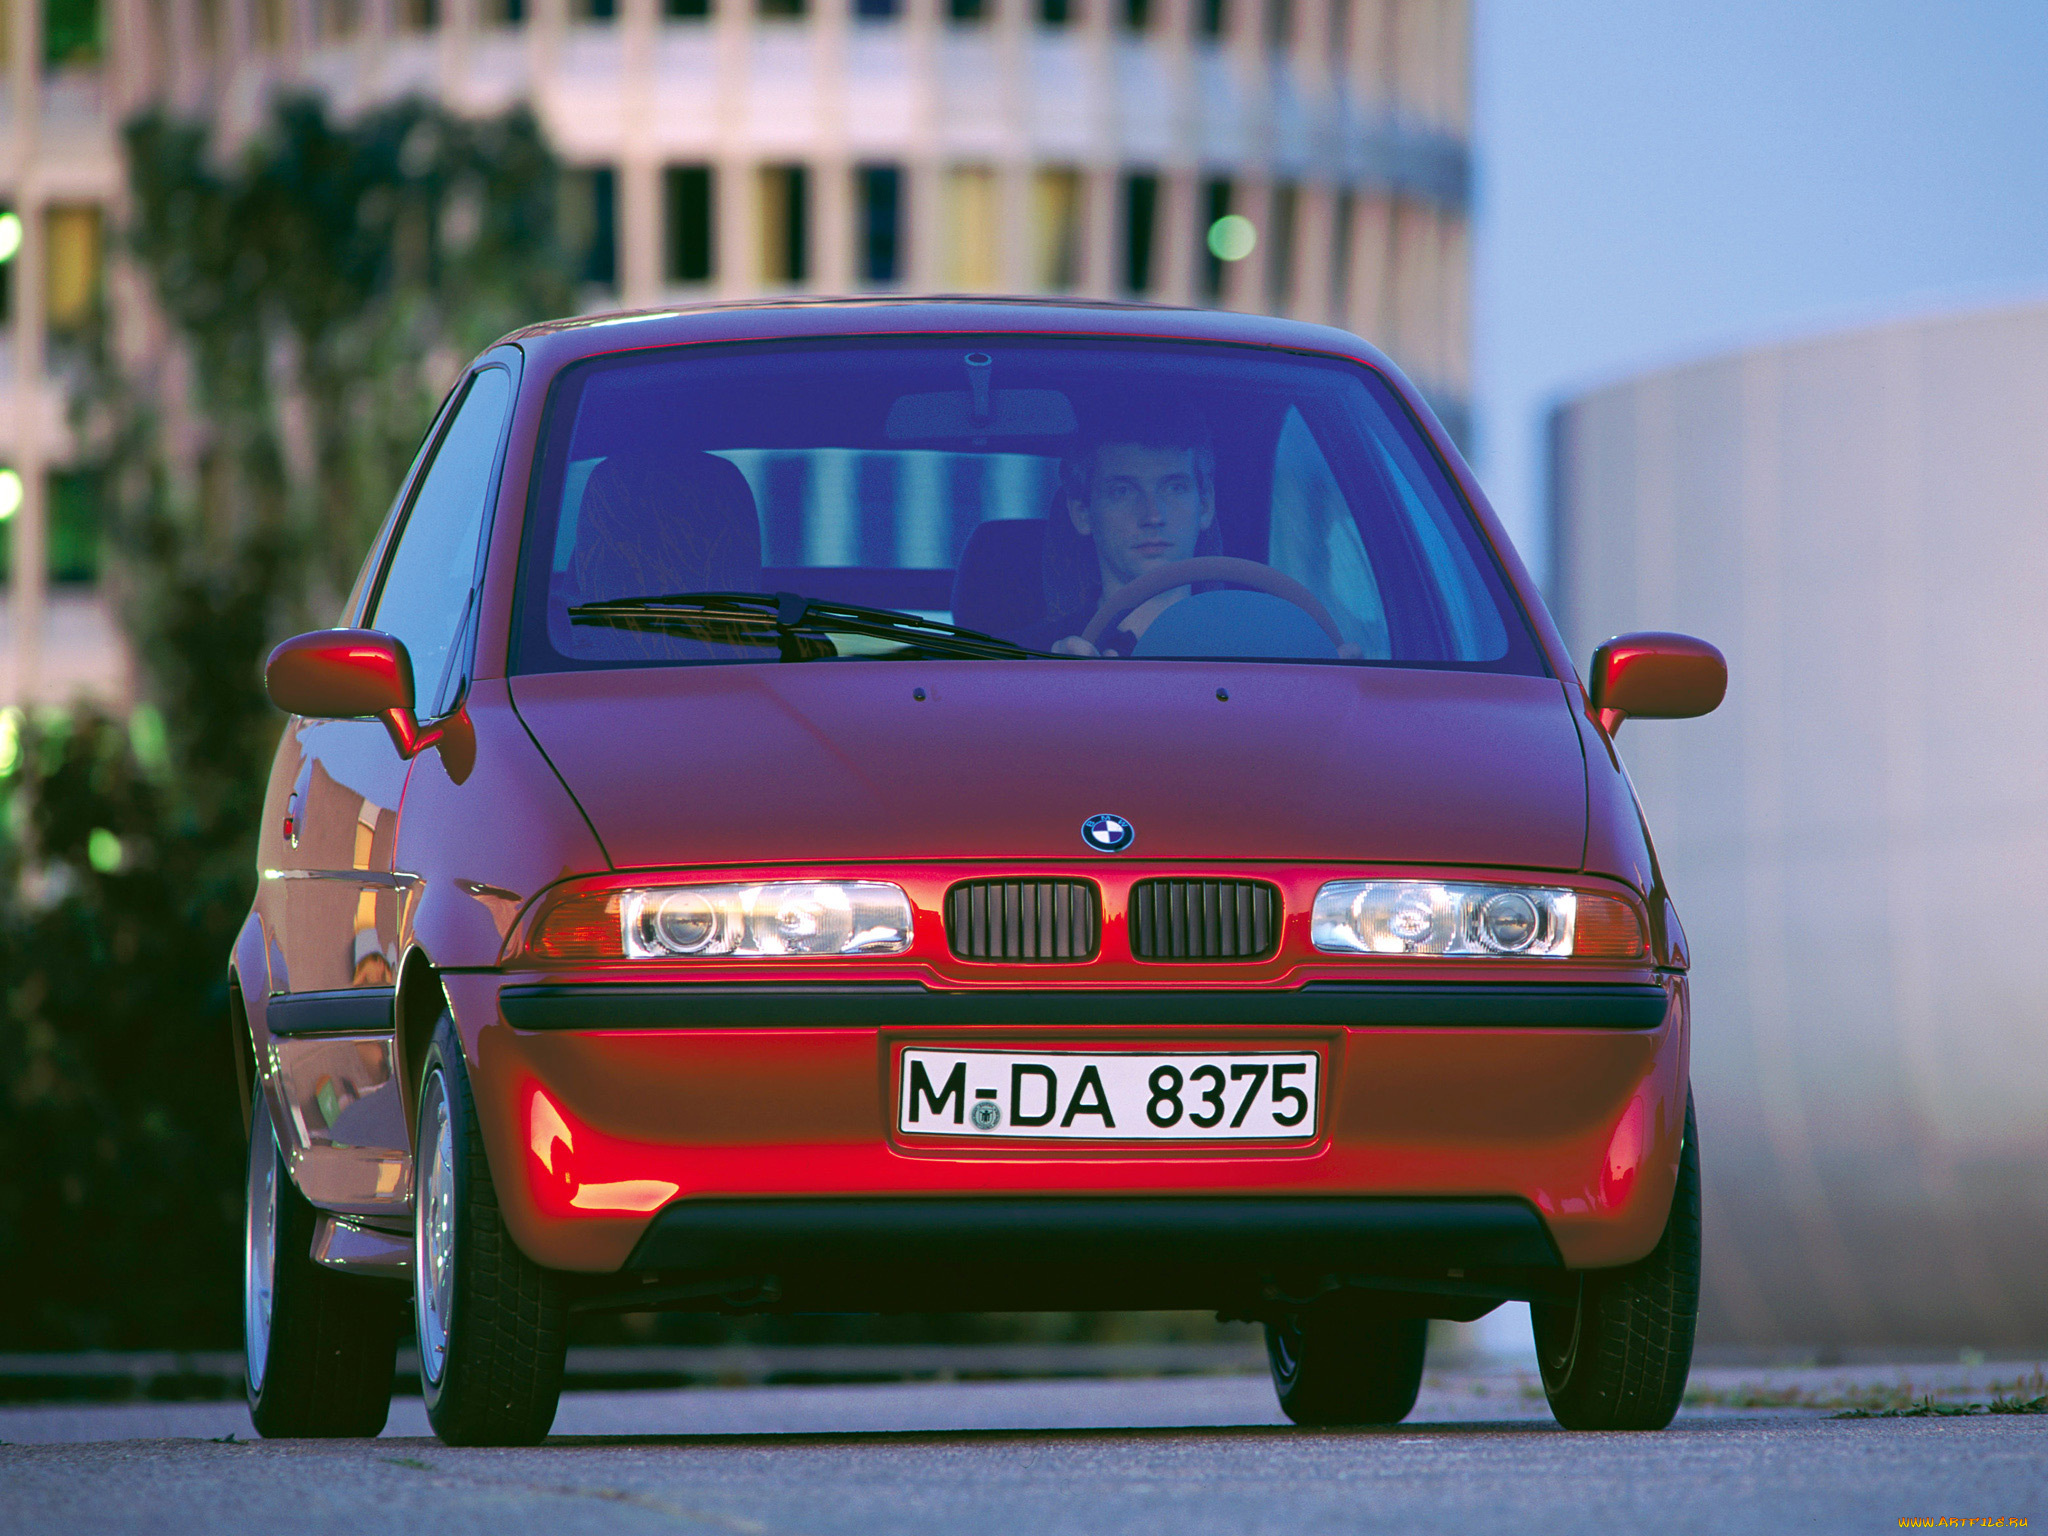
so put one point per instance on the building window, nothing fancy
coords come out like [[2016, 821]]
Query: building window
[[687, 196], [71, 31], [781, 7], [1215, 208], [967, 12], [1056, 224], [1141, 212], [879, 190], [1137, 15], [685, 10], [785, 198], [512, 13], [71, 282], [74, 525], [588, 10], [419, 15], [875, 10], [1055, 13], [590, 214], [1214, 18]]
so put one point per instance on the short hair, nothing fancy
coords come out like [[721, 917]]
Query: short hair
[[1072, 577], [1166, 426]]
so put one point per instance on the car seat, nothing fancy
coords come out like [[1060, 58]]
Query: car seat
[[650, 523], [1000, 585]]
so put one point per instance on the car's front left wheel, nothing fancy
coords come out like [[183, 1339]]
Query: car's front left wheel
[[318, 1346], [492, 1324]]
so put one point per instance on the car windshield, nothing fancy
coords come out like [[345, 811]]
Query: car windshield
[[997, 497]]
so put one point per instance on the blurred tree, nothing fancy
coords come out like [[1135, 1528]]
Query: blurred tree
[[316, 295]]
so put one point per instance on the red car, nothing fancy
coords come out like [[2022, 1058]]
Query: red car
[[944, 805]]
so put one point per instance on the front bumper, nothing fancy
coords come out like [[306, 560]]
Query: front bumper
[[620, 1120]]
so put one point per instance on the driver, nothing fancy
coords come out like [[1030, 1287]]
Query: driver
[[1140, 493]]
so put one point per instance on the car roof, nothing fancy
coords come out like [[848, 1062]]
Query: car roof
[[561, 341]]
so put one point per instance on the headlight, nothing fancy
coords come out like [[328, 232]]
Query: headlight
[[777, 920], [1429, 917]]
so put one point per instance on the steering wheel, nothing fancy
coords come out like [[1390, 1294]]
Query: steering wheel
[[1179, 573]]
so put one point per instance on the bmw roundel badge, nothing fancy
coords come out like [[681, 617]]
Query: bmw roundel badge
[[1108, 834]]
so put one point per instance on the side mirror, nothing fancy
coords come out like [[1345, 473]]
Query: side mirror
[[349, 674], [1657, 676]]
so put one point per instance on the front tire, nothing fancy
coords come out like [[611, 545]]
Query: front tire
[[492, 1325], [1335, 1363], [318, 1347], [1617, 1356]]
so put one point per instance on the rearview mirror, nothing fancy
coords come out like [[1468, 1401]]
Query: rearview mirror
[[349, 674], [1658, 676]]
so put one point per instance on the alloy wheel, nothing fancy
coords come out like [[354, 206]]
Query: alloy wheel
[[259, 1243], [434, 1229]]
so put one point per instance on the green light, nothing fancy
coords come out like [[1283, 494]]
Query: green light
[[10, 236], [1232, 237], [10, 493], [103, 851]]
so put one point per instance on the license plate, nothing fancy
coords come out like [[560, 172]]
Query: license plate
[[1109, 1095]]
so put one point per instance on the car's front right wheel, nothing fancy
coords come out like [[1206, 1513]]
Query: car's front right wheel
[[318, 1347], [492, 1324], [1616, 1355]]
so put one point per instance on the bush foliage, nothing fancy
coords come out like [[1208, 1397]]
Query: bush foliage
[[320, 287]]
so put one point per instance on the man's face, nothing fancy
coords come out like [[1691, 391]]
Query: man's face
[[1145, 508]]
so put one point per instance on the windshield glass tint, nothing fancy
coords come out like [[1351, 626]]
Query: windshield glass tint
[[821, 501]]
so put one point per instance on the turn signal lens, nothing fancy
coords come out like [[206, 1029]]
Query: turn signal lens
[[580, 925], [1427, 917], [1606, 929]]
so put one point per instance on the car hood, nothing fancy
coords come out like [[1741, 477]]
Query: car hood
[[850, 761]]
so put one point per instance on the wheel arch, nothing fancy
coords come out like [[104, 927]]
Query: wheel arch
[[242, 1048], [416, 1008]]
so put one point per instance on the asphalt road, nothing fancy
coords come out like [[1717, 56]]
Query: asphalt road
[[1183, 1455]]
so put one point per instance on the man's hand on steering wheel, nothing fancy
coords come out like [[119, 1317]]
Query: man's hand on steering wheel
[[1181, 573]]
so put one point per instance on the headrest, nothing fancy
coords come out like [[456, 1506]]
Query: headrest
[[652, 523], [999, 587]]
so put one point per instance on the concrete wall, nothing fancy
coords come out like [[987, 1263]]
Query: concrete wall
[[1859, 838]]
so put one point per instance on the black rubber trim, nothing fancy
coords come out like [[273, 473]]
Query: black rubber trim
[[351, 1011], [1375, 1235], [1389, 1004]]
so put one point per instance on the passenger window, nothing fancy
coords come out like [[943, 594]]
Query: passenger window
[[428, 586], [1315, 539], [1476, 631]]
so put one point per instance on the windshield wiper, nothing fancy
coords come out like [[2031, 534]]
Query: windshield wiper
[[788, 615]]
